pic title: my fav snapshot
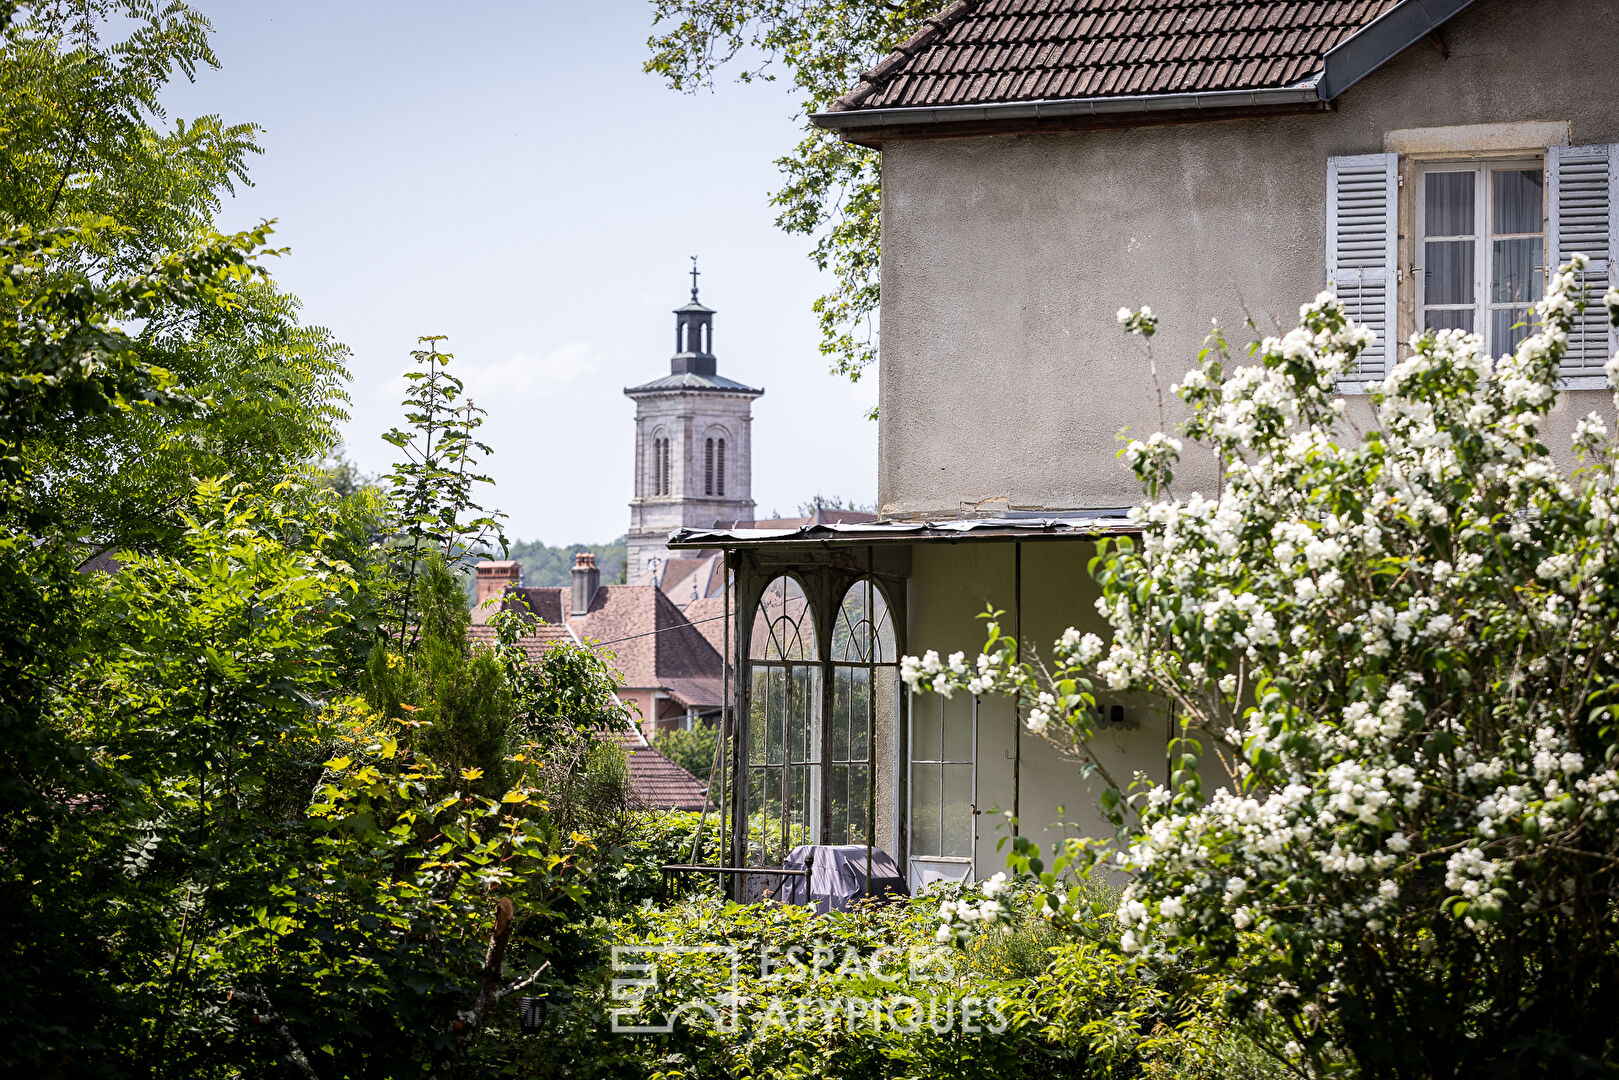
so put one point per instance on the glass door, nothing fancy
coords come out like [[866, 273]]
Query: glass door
[[944, 788]]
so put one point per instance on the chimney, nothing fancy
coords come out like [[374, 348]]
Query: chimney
[[586, 580], [493, 579]]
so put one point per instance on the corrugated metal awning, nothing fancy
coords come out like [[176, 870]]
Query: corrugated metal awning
[[1016, 525]]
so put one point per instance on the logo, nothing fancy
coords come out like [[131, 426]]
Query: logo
[[819, 988], [630, 1015]]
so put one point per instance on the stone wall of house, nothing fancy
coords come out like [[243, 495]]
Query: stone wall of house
[[1005, 379]]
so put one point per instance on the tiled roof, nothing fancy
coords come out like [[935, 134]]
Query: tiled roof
[[547, 630], [651, 642], [986, 51], [657, 783], [707, 614], [704, 692], [690, 380]]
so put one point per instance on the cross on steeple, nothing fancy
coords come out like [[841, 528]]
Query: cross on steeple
[[694, 278]]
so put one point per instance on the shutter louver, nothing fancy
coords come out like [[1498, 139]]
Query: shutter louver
[[1362, 248], [1580, 206]]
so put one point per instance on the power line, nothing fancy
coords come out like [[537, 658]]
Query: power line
[[664, 630]]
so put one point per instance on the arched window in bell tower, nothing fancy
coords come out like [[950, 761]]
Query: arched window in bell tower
[[660, 465], [708, 468], [719, 469]]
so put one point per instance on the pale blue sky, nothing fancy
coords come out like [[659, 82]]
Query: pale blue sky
[[505, 174]]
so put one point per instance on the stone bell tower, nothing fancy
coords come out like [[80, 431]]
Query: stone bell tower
[[693, 446]]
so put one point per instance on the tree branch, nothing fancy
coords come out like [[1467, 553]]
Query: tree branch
[[267, 1014]]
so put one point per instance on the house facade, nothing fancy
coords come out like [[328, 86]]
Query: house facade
[[1044, 163]]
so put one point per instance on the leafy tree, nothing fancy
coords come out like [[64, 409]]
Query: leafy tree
[[833, 502], [457, 697], [832, 189], [1397, 649], [550, 567], [89, 148], [431, 488], [692, 750]]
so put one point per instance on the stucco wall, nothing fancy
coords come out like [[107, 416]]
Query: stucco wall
[[1004, 375], [950, 586]]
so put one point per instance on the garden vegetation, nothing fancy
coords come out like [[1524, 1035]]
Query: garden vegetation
[[267, 810]]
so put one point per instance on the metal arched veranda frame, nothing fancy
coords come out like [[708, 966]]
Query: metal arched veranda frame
[[851, 782]]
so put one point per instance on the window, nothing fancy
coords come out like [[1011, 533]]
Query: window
[[708, 468], [1485, 235], [823, 723], [944, 734], [719, 470], [663, 469], [784, 725], [1481, 248], [865, 702]]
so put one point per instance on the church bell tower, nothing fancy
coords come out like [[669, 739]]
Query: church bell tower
[[693, 444]]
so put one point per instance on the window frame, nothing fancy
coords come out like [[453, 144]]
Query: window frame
[[1483, 235], [825, 588], [955, 867]]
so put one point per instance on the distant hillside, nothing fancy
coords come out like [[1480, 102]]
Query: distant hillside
[[551, 566]]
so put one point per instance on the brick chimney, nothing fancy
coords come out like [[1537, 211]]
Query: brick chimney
[[493, 578], [586, 580]]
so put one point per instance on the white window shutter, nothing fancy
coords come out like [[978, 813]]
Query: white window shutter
[[1363, 247], [1582, 182]]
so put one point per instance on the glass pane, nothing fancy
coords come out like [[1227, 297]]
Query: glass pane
[[842, 698], [1448, 199], [1448, 272], [772, 815], [925, 810], [798, 719], [837, 794], [851, 637], [759, 641], [859, 714], [775, 714], [886, 651], [1453, 319], [958, 728], [957, 840], [1516, 270], [783, 627], [925, 729], [859, 800], [758, 711], [757, 828], [806, 709], [803, 804], [1503, 338], [1517, 201]]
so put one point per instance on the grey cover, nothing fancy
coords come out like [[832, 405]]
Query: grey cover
[[838, 876]]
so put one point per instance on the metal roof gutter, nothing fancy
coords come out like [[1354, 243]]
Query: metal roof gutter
[[1363, 53], [1068, 108]]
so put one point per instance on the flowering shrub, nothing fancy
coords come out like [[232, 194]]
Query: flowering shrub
[[867, 994], [1395, 650]]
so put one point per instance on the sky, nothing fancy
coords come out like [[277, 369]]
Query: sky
[[505, 174]]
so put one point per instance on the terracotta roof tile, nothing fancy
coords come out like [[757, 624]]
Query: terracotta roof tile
[[1031, 50], [648, 639], [656, 783]]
